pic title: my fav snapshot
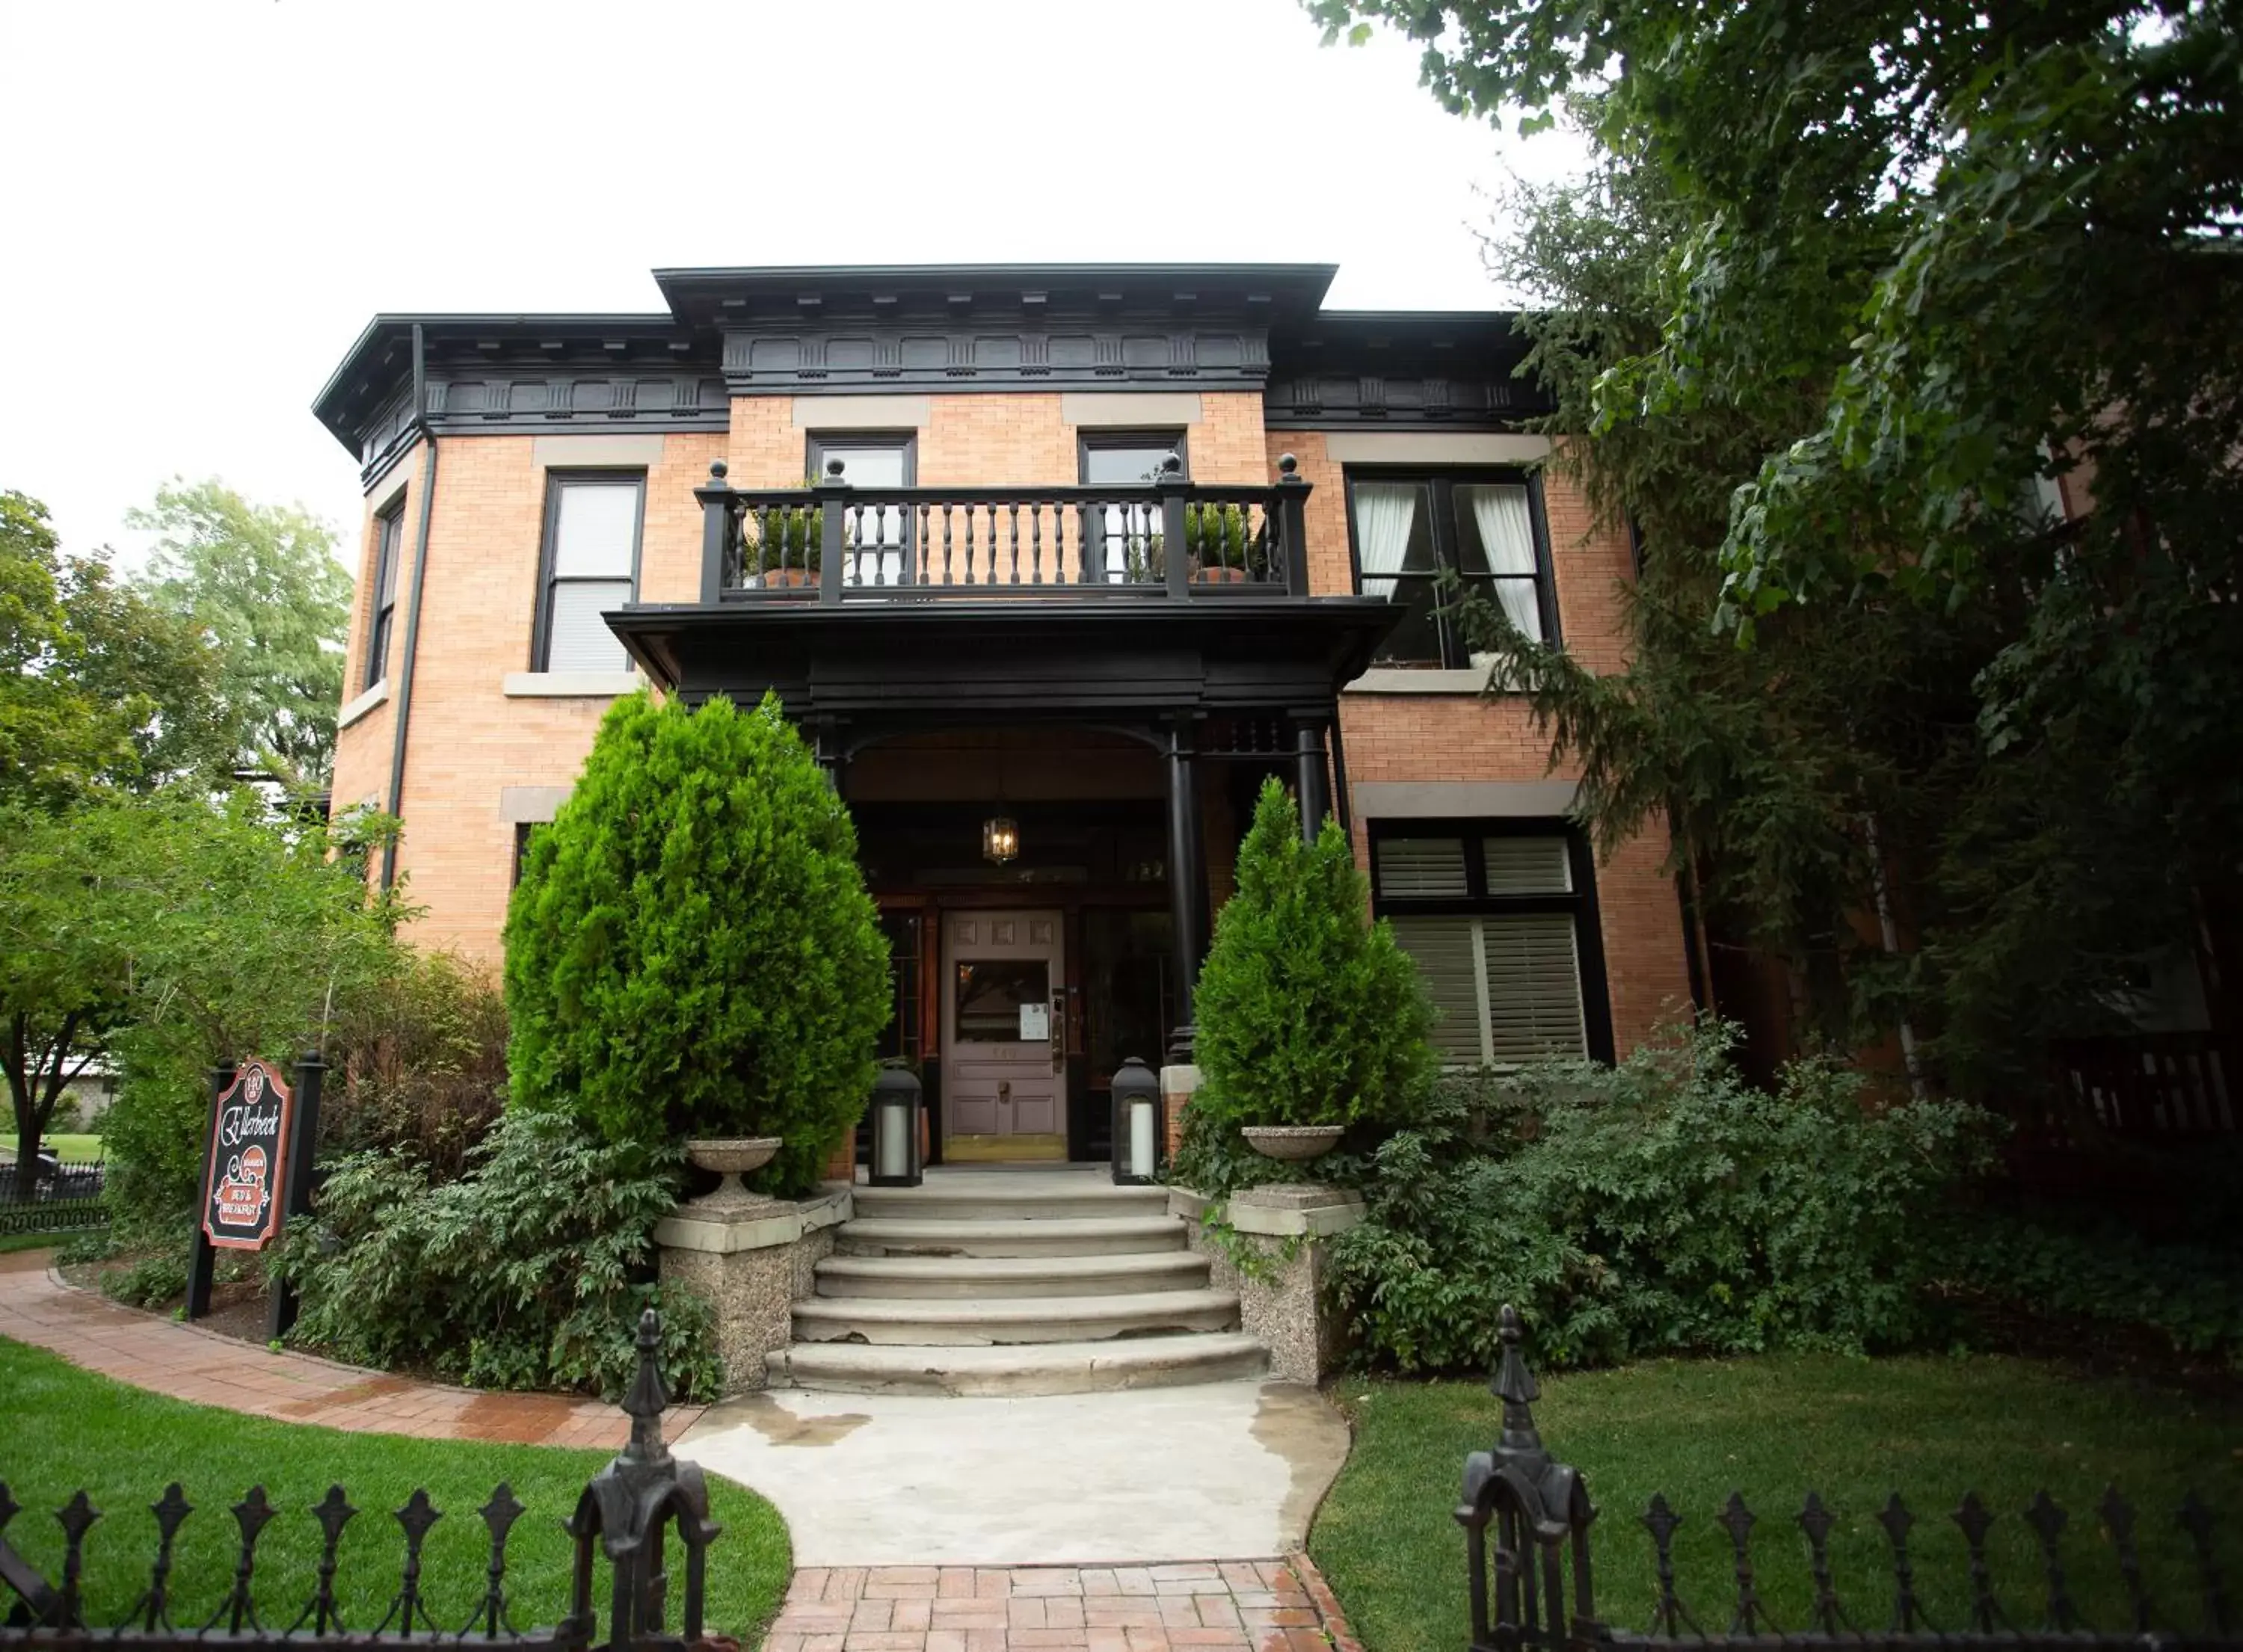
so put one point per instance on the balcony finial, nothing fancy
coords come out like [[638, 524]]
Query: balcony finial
[[1173, 465], [833, 467], [718, 470], [1288, 465]]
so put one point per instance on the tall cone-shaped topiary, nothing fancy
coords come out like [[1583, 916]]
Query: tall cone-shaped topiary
[[1307, 1012], [690, 951]]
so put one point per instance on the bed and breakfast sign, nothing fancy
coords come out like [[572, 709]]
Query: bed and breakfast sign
[[248, 1148]]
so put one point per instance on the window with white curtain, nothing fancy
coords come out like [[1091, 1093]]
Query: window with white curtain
[[1499, 920], [1485, 526], [590, 565]]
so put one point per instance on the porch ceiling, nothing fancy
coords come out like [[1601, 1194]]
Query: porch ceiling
[[1018, 661]]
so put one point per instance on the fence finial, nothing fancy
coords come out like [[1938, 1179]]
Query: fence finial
[[1515, 1385], [648, 1397]]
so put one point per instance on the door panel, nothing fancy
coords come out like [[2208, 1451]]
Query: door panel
[[1004, 975]]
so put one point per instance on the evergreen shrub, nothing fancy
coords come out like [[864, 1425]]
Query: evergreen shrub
[[1307, 1012], [690, 951]]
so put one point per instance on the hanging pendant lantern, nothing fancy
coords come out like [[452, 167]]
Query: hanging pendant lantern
[[1000, 840]]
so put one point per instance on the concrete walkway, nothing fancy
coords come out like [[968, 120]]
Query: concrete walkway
[[1216, 1471]]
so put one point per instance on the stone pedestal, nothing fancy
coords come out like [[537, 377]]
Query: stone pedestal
[[750, 1259], [1283, 1232]]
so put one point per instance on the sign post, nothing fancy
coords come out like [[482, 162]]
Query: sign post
[[296, 1186], [202, 1263]]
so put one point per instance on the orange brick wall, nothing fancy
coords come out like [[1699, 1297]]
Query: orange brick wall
[[994, 438], [1474, 737], [468, 740]]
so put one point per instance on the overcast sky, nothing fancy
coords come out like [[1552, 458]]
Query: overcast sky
[[204, 201]]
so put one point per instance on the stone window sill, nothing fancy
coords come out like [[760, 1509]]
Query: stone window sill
[[352, 710], [569, 685], [1420, 679]]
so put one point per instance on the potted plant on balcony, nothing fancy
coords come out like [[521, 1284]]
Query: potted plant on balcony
[[691, 952], [781, 544], [1223, 549], [1311, 1018]]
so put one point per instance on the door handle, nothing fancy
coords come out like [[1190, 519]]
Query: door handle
[[1059, 1032]]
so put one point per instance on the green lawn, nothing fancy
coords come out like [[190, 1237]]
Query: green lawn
[[67, 1429], [70, 1149], [1853, 1429]]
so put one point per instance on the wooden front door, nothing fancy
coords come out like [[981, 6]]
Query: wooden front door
[[1004, 999]]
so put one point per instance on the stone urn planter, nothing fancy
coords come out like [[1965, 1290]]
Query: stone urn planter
[[732, 1156], [1292, 1143]]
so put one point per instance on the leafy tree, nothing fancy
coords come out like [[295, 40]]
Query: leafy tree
[[1307, 1012], [189, 932], [1917, 265], [262, 581], [690, 950], [98, 687]]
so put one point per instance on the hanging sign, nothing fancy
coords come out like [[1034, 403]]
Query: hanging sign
[[248, 1146]]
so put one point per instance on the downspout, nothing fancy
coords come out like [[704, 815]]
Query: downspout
[[404, 715]]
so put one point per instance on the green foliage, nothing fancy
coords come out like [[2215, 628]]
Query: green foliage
[[1217, 536], [690, 951], [262, 583], [791, 537], [526, 1272], [417, 1062], [1663, 1205], [98, 688], [206, 932], [151, 1282], [1803, 302], [2108, 1273], [1307, 1012]]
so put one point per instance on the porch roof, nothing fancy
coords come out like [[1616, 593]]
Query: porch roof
[[910, 661]]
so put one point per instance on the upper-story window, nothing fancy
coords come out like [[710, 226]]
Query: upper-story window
[[1126, 542], [589, 563], [876, 534], [1409, 528], [389, 543]]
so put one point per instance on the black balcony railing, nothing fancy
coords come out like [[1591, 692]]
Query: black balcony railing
[[1167, 538]]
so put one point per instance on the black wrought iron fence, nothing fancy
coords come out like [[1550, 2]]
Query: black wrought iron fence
[[1528, 1519], [53, 1198], [625, 1512]]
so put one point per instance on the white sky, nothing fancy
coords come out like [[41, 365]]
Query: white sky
[[204, 200]]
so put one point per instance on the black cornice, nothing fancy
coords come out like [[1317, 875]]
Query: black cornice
[[930, 328]]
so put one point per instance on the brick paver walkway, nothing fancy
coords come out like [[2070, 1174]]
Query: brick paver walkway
[[189, 1363], [1242, 1606]]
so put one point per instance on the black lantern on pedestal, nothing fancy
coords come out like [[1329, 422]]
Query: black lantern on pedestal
[[895, 1128], [1139, 1127]]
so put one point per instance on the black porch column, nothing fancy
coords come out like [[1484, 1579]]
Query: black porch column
[[1309, 783], [1187, 882]]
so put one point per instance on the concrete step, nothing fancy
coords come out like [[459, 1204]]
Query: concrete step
[[1091, 1236], [1054, 1196], [922, 1277], [1039, 1368], [1013, 1319]]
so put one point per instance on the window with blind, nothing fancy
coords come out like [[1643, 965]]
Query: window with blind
[[591, 564], [1409, 529], [1500, 923]]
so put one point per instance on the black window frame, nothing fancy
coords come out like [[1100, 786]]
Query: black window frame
[[556, 483], [821, 445], [1580, 901], [1169, 439], [381, 618], [1441, 482]]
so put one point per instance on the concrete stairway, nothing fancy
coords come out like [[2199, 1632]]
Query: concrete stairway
[[1013, 1281]]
